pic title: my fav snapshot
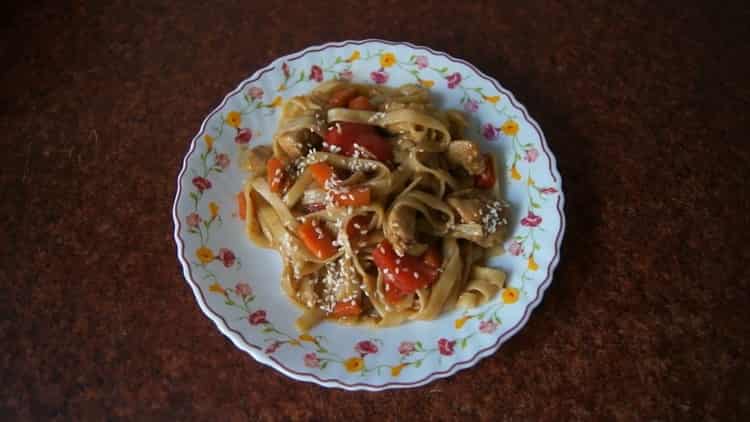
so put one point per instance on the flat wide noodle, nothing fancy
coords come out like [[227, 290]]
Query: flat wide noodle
[[433, 299], [484, 284]]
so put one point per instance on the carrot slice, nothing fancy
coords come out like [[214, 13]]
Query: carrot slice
[[241, 205], [407, 272], [276, 175], [317, 239], [353, 197], [321, 172], [346, 309], [360, 103]]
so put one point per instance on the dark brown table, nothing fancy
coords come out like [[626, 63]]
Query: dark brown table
[[645, 106]]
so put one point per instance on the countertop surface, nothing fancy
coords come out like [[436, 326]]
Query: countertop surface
[[644, 105]]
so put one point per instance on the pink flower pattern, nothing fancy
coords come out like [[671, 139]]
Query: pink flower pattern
[[255, 92], [379, 76], [453, 80], [244, 136], [406, 348], [257, 317], [531, 220], [243, 289], [193, 219], [201, 183], [489, 132], [316, 73], [366, 347], [531, 155], [515, 248], [421, 61], [547, 191], [445, 346], [222, 161], [471, 106], [227, 257], [488, 326], [311, 360]]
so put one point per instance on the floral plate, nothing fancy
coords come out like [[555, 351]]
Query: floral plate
[[237, 284]]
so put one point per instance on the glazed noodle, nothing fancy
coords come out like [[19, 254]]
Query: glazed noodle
[[381, 211]]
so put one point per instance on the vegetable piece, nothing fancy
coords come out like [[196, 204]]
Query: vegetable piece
[[241, 205], [346, 309], [432, 256], [317, 239], [321, 172], [357, 225], [392, 293], [277, 177], [343, 137], [353, 197], [408, 272], [361, 103], [296, 143], [466, 154], [486, 179], [342, 97], [375, 145]]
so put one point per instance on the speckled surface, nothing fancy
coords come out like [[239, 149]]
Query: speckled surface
[[645, 106]]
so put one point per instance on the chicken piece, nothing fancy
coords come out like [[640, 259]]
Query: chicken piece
[[257, 159], [469, 209], [483, 219], [296, 144], [400, 229], [466, 154]]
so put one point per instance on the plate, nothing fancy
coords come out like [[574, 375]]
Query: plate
[[237, 284]]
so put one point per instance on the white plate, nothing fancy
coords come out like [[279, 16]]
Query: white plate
[[237, 284]]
